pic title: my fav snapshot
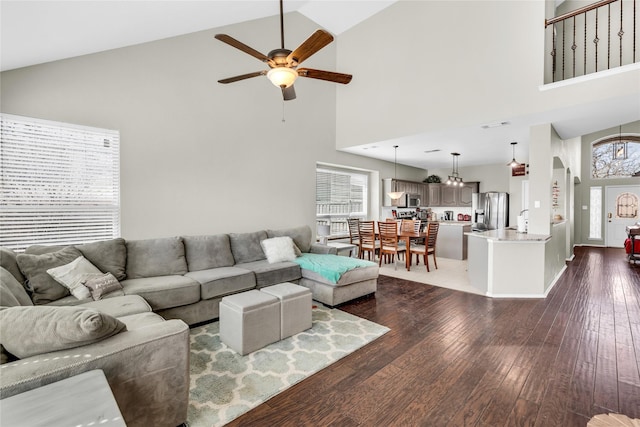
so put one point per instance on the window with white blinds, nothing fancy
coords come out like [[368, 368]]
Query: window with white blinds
[[59, 183], [340, 194]]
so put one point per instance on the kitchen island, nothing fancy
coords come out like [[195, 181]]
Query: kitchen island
[[505, 263], [452, 241]]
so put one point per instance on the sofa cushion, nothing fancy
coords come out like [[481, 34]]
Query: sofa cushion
[[155, 257], [9, 262], [34, 267], [301, 236], [120, 306], [205, 252], [164, 291], [141, 320], [223, 281], [28, 331], [73, 275], [43, 249], [12, 292], [272, 274], [110, 256], [246, 246]]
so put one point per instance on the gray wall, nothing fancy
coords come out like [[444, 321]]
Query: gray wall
[[198, 156]]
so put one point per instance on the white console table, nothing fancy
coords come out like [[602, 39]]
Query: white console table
[[81, 400]]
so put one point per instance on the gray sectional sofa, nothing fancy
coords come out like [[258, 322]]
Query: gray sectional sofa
[[166, 284]]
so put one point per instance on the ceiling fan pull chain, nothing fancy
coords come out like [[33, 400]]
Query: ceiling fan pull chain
[[283, 120]]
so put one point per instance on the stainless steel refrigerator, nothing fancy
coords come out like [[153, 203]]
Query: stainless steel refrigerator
[[490, 210]]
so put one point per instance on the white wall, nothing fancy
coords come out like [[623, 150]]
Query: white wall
[[196, 156]]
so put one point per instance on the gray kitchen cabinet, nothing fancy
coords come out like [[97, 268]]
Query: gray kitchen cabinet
[[434, 194], [449, 195]]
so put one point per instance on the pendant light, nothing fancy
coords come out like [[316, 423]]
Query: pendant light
[[395, 194], [455, 178], [513, 163]]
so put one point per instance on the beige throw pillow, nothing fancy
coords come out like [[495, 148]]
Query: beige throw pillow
[[29, 331], [102, 285], [73, 275]]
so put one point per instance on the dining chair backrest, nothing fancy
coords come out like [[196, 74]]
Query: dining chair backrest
[[410, 225], [367, 232], [388, 233], [353, 229], [432, 234]]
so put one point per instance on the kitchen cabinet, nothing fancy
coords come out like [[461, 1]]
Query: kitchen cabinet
[[452, 240], [451, 196], [408, 187], [434, 194]]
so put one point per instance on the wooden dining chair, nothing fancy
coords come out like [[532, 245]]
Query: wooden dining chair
[[367, 238], [354, 238], [429, 248], [413, 225], [389, 245]]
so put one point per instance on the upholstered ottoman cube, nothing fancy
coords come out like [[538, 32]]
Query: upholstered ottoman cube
[[249, 321], [295, 309]]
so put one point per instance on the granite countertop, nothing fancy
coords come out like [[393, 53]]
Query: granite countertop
[[506, 235], [459, 223]]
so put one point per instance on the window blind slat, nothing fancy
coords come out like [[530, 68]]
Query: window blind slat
[[59, 183]]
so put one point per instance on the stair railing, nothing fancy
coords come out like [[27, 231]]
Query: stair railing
[[576, 38]]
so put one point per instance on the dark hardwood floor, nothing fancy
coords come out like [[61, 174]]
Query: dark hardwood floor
[[455, 359]]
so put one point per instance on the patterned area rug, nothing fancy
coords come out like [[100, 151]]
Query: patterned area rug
[[613, 420], [225, 385]]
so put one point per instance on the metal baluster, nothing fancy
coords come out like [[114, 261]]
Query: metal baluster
[[621, 32], [584, 65], [596, 40], [609, 37], [553, 55], [574, 46], [563, 45]]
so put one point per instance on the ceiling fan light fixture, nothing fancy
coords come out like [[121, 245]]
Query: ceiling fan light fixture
[[282, 76]]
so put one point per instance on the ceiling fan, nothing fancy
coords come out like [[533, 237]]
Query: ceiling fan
[[283, 63]]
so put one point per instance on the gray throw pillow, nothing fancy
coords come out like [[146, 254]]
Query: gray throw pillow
[[34, 267], [9, 262], [12, 292], [103, 285], [110, 256], [29, 331]]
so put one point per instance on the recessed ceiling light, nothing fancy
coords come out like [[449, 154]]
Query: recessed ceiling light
[[494, 125]]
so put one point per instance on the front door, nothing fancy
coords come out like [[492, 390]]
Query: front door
[[622, 210]]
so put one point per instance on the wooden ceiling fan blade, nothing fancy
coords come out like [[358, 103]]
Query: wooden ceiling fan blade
[[288, 93], [242, 77], [329, 76], [243, 47], [314, 43]]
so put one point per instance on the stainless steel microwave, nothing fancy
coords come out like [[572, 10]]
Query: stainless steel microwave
[[409, 201]]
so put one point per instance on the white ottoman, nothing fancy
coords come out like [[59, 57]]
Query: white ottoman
[[295, 310], [249, 321]]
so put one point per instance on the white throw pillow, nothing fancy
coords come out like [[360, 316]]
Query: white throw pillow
[[73, 275], [278, 249]]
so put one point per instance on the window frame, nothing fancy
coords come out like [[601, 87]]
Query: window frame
[[612, 142], [338, 220], [59, 183]]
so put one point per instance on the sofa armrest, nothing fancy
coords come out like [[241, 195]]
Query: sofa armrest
[[317, 248], [147, 369]]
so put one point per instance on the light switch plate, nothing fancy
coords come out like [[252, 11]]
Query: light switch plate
[[536, 203], [585, 207]]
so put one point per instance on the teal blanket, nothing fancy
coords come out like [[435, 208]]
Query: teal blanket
[[331, 267]]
